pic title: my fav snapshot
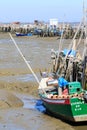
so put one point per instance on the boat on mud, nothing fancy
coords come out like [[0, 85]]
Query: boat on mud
[[23, 34], [63, 90], [64, 98]]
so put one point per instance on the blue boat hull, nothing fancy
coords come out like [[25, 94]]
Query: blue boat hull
[[22, 34]]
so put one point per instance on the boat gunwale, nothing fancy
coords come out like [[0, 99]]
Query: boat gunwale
[[55, 101]]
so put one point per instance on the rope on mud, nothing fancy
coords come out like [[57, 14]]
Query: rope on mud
[[28, 65]]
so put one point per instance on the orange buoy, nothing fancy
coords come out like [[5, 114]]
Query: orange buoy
[[67, 96], [81, 94], [55, 96], [51, 96], [70, 96], [64, 96], [59, 97], [75, 95]]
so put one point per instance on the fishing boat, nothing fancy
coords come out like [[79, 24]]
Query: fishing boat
[[65, 98], [63, 91]]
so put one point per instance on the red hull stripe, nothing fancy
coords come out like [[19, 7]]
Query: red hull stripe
[[56, 101]]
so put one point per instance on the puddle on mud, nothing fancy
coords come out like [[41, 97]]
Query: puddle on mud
[[22, 78], [31, 103]]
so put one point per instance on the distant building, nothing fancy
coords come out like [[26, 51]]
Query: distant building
[[53, 22]]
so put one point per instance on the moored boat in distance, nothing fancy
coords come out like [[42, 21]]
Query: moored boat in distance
[[23, 34]]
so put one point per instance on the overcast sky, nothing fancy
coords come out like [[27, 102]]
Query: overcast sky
[[43, 10]]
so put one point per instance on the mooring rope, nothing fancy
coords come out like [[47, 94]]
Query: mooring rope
[[28, 65]]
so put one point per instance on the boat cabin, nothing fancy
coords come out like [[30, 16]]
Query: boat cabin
[[74, 87]]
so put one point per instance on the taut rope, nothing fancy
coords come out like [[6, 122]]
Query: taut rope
[[28, 65]]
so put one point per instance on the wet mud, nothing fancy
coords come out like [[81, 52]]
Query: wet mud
[[20, 106]]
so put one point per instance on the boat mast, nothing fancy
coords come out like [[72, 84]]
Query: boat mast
[[84, 30]]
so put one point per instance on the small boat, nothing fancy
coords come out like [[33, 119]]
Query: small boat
[[23, 34]]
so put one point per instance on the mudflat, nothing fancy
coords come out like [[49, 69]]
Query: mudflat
[[18, 87]]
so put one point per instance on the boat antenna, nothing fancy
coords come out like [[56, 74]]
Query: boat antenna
[[28, 65]]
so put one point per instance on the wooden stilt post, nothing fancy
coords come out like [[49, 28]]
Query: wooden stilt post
[[84, 77]]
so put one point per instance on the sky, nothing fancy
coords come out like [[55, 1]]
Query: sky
[[42, 10]]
